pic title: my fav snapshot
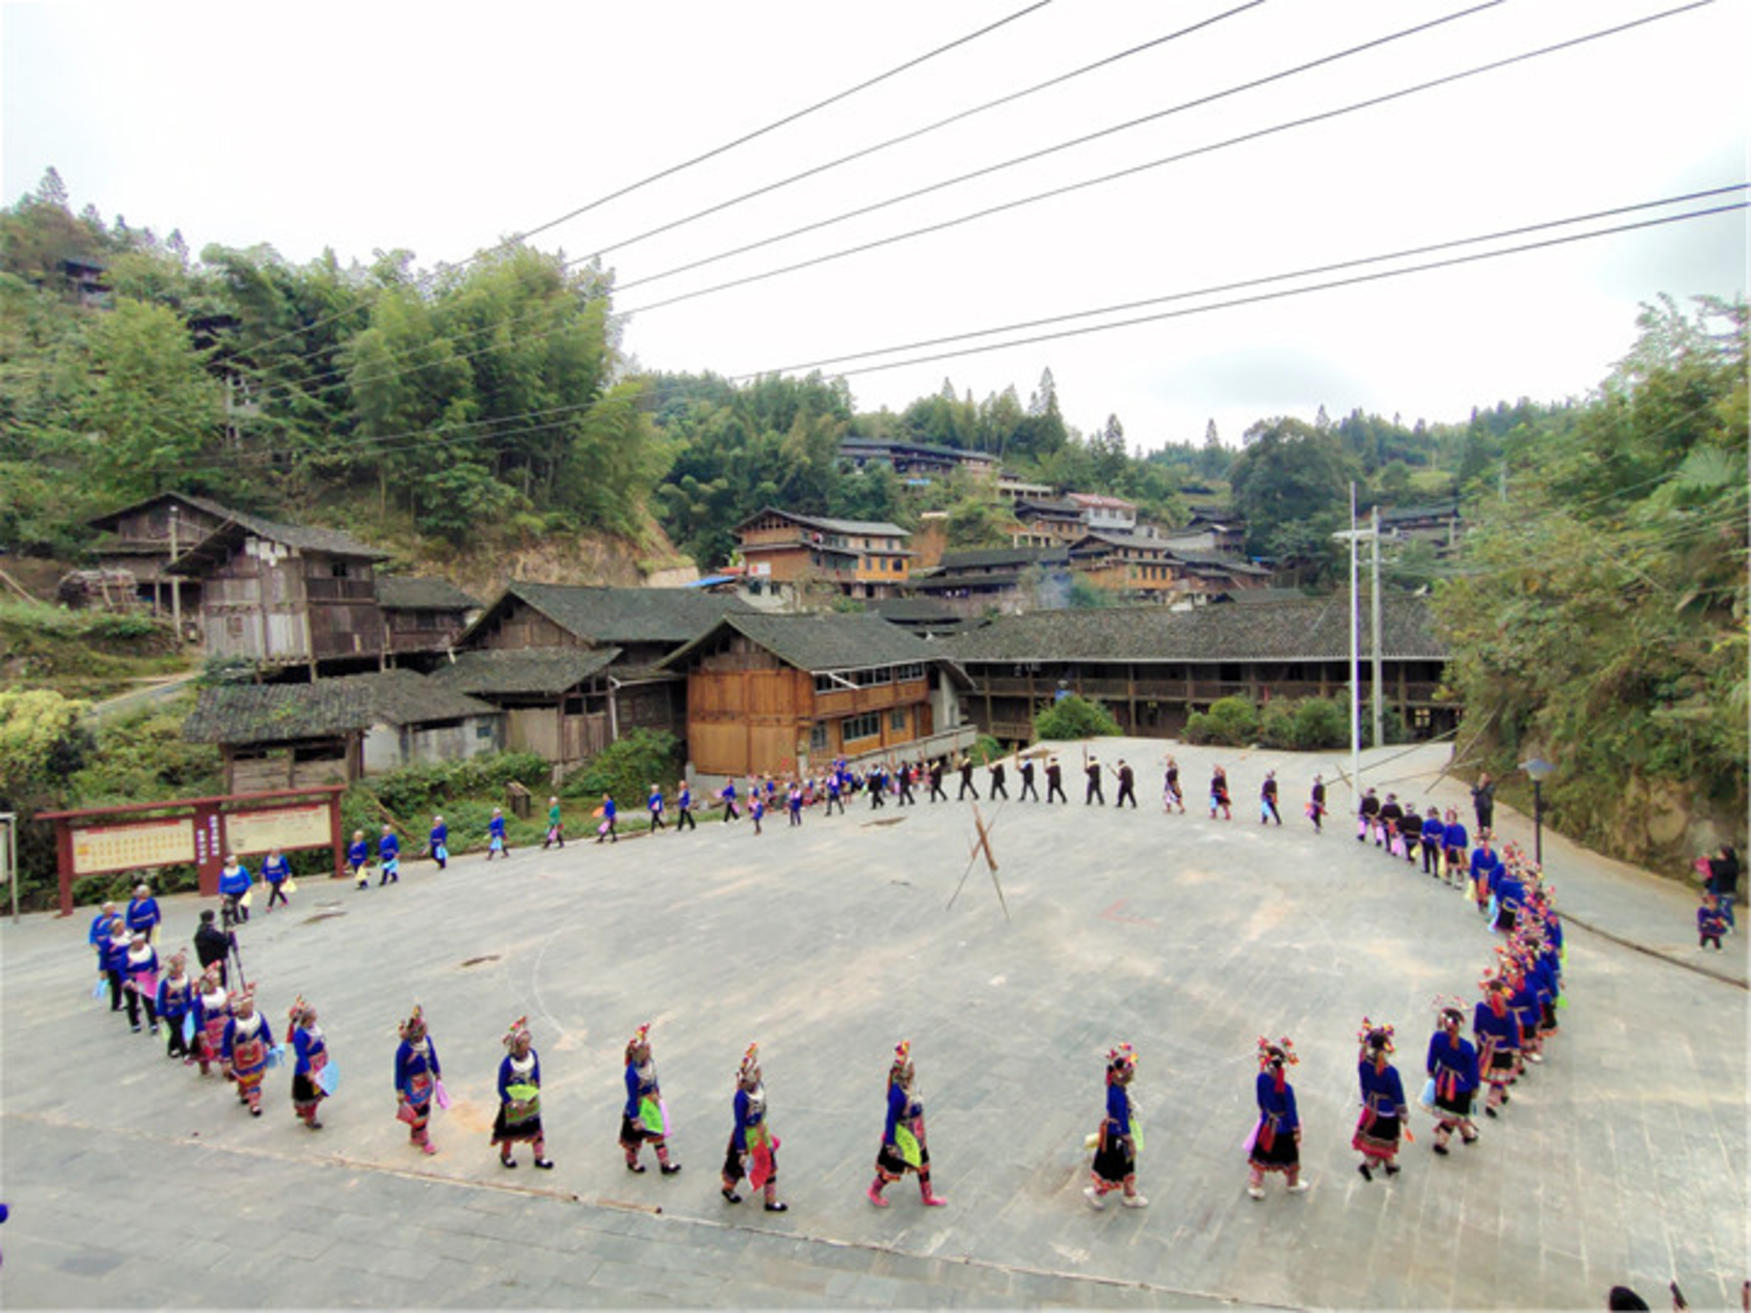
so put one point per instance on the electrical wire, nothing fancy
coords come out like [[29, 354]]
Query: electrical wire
[[700, 158]]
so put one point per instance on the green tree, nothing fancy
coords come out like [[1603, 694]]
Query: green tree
[[1288, 472]]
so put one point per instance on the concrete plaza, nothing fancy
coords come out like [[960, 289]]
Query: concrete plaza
[[1621, 1160]]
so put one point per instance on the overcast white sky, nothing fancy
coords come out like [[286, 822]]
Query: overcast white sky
[[442, 127]]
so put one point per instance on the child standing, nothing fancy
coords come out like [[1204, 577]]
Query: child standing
[[438, 843], [1711, 924], [495, 835]]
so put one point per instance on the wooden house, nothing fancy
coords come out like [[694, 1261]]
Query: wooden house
[[975, 581], [1153, 666], [860, 558], [640, 625], [144, 537], [334, 731], [777, 694], [917, 462], [557, 701], [422, 615], [284, 594]]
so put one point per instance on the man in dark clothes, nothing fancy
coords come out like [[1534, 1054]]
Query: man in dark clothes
[[903, 777], [1026, 771], [1055, 781], [1268, 797], [967, 780], [1127, 786], [213, 945], [1092, 770], [996, 781], [936, 792], [876, 781], [1483, 801]]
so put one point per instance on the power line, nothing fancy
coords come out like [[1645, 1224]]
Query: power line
[[1212, 290], [913, 135], [1090, 182], [715, 151], [379, 444], [1177, 157], [1281, 295], [1067, 144]]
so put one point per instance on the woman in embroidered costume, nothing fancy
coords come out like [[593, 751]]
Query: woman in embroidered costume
[[1498, 1038], [753, 1151], [307, 1041], [903, 1144], [1383, 1106], [246, 1046], [176, 993], [140, 966], [416, 1079], [1119, 1137], [644, 1119], [519, 1115], [212, 1010], [1452, 1066], [1276, 1140]]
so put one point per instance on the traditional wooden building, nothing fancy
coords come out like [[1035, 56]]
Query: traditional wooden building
[[641, 625], [777, 694], [1153, 666], [1102, 513], [144, 537], [860, 558], [917, 461], [422, 615], [975, 581], [1437, 524], [1048, 522], [334, 731], [284, 594], [557, 701]]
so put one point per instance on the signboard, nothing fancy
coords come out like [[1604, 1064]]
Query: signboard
[[122, 847], [280, 827]]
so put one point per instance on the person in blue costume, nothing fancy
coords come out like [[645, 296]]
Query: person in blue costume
[[143, 915], [310, 1048], [276, 870], [1456, 841], [1484, 863], [1452, 1065], [728, 794], [416, 1080], [1434, 843], [756, 811], [654, 805], [438, 843], [1276, 1140], [248, 1042], [1497, 1031], [175, 1000], [1710, 923], [388, 857], [753, 1150], [644, 1119], [235, 882], [496, 843], [607, 829], [103, 928], [519, 1115], [904, 1148], [212, 1009], [358, 853], [793, 803], [835, 786], [684, 808], [140, 966], [1115, 1153], [1382, 1122]]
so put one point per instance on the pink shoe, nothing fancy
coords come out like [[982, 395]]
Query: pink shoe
[[875, 1198], [934, 1201], [427, 1147]]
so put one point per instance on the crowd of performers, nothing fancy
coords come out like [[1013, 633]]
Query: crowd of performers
[[206, 1023]]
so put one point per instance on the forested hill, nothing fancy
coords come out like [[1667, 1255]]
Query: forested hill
[[461, 409]]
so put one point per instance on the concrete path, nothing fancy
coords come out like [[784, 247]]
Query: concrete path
[[133, 1182]]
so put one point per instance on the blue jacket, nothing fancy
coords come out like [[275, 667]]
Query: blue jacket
[[235, 882], [143, 914], [275, 871]]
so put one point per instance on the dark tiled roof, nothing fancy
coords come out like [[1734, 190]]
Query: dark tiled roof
[[266, 713], [866, 446], [1396, 514], [1138, 542], [821, 641], [409, 593], [1052, 505], [945, 580], [206, 504], [872, 528], [624, 615], [1312, 629], [543, 670], [992, 557], [907, 610]]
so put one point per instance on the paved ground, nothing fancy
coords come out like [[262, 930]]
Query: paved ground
[[132, 1182]]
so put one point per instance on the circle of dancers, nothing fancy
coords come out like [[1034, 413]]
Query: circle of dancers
[[207, 1024]]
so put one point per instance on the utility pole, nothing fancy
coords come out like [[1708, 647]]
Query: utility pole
[[175, 583], [1354, 536], [1378, 677]]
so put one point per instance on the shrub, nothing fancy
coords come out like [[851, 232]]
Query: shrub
[[413, 794], [1074, 717], [628, 768], [985, 750], [1233, 721], [1321, 723]]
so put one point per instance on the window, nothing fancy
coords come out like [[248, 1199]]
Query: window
[[827, 684], [897, 720], [914, 671], [483, 730], [337, 570], [817, 738], [866, 726]]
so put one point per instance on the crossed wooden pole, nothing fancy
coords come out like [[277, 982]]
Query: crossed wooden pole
[[982, 844]]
